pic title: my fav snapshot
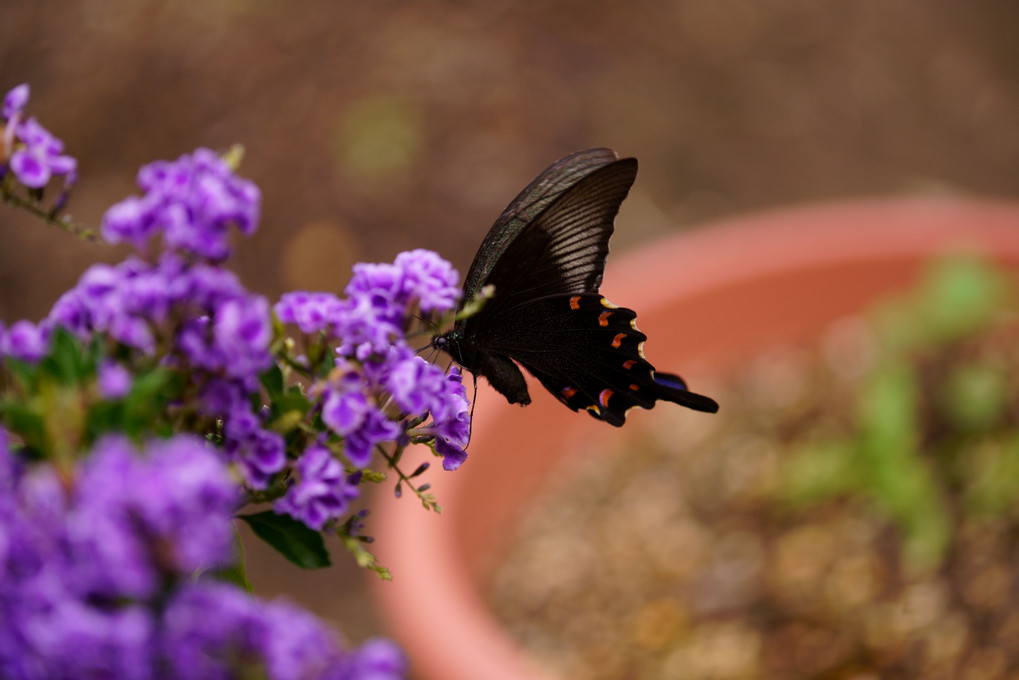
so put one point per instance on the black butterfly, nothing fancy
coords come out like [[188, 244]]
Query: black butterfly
[[545, 257]]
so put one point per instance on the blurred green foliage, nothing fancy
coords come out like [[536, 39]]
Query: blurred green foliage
[[935, 418]]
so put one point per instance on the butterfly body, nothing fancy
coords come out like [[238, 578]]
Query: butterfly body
[[545, 256]]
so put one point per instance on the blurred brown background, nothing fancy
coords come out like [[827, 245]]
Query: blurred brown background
[[373, 127]]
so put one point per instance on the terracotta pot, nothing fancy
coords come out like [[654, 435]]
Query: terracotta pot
[[706, 300]]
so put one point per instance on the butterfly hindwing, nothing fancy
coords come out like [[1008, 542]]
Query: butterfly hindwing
[[589, 354]]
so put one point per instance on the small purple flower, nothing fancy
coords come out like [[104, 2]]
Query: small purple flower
[[323, 492], [345, 411], [259, 456], [114, 381], [367, 327], [310, 312], [242, 332], [24, 340], [452, 425], [416, 385], [220, 396], [429, 279], [379, 283], [378, 659], [41, 157], [131, 221], [376, 429], [15, 101]]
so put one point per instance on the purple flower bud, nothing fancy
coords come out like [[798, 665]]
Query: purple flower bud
[[15, 101]]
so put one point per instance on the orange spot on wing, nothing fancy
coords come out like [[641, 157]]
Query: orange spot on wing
[[568, 392], [603, 318], [575, 302], [604, 397], [628, 364], [618, 340], [634, 387]]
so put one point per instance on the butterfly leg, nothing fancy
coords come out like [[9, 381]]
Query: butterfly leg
[[505, 377]]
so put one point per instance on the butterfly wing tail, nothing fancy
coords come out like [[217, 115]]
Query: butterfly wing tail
[[673, 388]]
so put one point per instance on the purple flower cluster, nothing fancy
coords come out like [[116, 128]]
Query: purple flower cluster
[[201, 312], [212, 630], [98, 565], [378, 390], [194, 316], [191, 202], [28, 148], [181, 310]]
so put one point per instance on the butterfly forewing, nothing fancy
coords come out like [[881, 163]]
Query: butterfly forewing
[[564, 249], [528, 204]]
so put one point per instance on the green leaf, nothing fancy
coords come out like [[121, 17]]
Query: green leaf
[[23, 420], [21, 372], [272, 381], [290, 538], [975, 396], [993, 471], [820, 471], [899, 478], [958, 296], [236, 573], [67, 361], [144, 407]]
